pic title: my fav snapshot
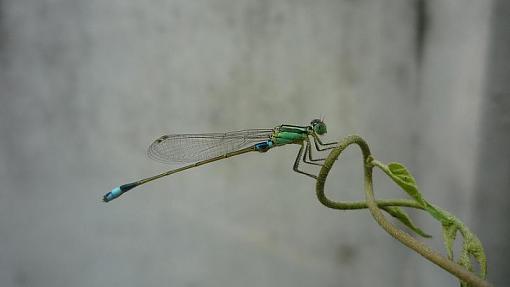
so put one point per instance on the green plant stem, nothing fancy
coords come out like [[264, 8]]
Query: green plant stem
[[352, 205], [373, 205]]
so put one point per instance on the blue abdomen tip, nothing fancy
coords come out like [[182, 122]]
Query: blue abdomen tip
[[116, 192]]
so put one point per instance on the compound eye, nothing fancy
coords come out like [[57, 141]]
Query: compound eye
[[320, 128]]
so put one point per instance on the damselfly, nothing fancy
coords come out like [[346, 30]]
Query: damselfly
[[205, 148]]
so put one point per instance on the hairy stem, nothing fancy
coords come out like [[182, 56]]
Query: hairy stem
[[373, 205]]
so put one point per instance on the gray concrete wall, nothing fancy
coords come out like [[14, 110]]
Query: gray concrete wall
[[492, 201], [87, 85]]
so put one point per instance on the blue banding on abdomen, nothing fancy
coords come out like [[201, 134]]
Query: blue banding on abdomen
[[119, 190], [264, 146], [116, 192]]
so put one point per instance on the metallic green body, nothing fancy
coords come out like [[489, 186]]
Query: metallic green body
[[289, 136]]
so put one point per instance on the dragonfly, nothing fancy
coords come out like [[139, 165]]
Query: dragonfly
[[200, 149]]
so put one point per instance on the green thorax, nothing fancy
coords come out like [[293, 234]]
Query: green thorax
[[289, 135]]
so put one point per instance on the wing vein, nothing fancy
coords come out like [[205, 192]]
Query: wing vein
[[179, 148]]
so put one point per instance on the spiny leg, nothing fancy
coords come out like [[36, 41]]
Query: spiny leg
[[321, 143], [307, 156], [296, 163], [310, 156], [317, 141]]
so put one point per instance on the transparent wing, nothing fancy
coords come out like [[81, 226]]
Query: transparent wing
[[197, 147]]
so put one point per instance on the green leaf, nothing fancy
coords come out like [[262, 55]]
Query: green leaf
[[401, 215], [465, 262], [406, 181], [449, 235], [473, 247]]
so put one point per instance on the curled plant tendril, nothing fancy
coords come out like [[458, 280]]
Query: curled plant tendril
[[472, 246]]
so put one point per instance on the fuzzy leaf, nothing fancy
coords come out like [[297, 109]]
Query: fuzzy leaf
[[406, 181], [449, 235], [473, 247], [465, 262], [451, 225], [401, 215]]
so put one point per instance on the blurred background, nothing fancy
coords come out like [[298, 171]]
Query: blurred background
[[86, 86]]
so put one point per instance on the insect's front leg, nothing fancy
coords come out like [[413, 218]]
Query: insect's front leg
[[318, 143]]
